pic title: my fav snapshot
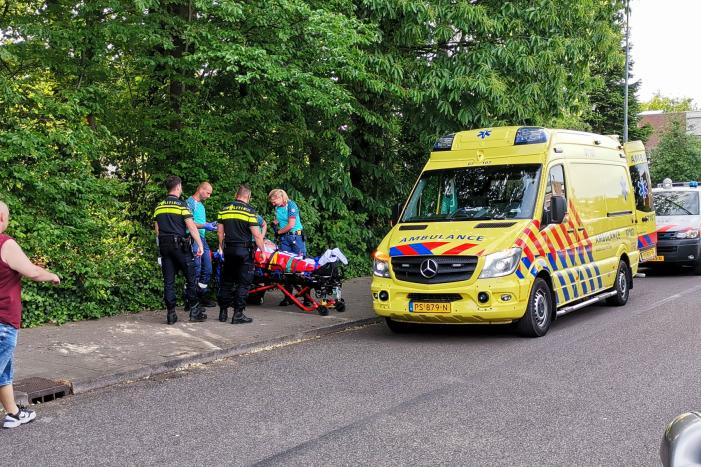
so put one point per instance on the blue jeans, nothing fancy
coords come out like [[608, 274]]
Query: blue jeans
[[293, 244], [203, 267], [8, 342]]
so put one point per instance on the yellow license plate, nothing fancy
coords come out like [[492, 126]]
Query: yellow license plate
[[428, 307], [657, 258], [649, 254]]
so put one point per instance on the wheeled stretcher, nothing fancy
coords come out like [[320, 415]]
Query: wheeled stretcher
[[311, 284]]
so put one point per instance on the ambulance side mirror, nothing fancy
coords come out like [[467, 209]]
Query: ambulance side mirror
[[396, 211], [558, 209]]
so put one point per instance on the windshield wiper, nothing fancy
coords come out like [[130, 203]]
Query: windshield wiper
[[680, 207], [476, 218]]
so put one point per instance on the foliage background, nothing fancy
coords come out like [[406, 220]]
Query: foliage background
[[677, 156], [336, 101]]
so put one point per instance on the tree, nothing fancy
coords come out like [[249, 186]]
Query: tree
[[668, 104], [677, 156], [607, 99]]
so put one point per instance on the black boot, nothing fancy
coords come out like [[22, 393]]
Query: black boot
[[197, 315], [240, 318], [223, 315], [172, 316]]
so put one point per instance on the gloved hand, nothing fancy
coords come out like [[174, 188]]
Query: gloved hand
[[210, 226]]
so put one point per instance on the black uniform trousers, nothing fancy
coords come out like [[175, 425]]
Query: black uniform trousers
[[174, 258], [236, 278]]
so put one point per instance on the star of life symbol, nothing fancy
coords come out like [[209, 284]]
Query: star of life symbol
[[428, 268], [624, 188], [484, 133], [642, 188]]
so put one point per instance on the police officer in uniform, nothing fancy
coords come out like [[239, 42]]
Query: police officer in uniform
[[172, 220], [237, 222]]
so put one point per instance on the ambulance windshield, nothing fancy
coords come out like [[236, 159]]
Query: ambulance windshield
[[475, 193], [677, 203]]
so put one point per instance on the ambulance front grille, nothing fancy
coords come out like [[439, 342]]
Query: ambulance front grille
[[447, 268]]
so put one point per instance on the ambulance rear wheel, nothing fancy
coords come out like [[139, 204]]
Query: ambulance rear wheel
[[622, 286], [399, 327], [538, 317]]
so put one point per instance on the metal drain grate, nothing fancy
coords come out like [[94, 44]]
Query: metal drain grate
[[42, 389]]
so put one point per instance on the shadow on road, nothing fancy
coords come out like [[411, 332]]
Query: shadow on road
[[667, 270]]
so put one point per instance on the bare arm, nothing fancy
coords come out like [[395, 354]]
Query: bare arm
[[13, 255], [264, 229], [155, 226], [220, 236], [195, 235], [255, 231], [291, 222]]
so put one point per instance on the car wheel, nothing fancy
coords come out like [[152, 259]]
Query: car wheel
[[697, 268], [621, 286], [399, 327], [538, 317]]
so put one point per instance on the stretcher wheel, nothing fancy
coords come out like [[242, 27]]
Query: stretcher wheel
[[255, 298], [322, 310], [341, 306]]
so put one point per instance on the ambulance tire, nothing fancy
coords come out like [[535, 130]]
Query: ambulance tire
[[399, 327], [539, 313], [621, 286]]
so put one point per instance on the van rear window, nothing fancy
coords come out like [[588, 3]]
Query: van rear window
[[475, 193], [676, 203]]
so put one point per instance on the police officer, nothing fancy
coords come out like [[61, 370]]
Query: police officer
[[237, 222], [172, 220]]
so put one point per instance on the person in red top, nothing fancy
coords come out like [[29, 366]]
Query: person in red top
[[13, 265]]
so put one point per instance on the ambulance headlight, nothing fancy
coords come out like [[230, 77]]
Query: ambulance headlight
[[500, 264], [380, 264], [688, 234]]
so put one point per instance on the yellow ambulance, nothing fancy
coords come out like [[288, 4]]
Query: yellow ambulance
[[512, 225]]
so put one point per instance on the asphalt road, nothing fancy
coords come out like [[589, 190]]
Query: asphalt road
[[598, 389]]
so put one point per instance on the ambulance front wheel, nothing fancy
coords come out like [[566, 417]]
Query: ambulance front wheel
[[538, 317], [622, 286]]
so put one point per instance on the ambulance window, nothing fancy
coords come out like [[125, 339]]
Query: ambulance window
[[640, 176], [555, 186], [474, 193]]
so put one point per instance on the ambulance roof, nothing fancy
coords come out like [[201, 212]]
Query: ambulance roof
[[483, 138]]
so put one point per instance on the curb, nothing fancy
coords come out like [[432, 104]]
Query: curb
[[81, 385]]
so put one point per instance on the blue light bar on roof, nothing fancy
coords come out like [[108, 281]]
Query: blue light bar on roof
[[530, 135], [444, 143], [693, 184]]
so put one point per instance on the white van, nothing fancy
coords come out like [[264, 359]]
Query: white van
[[678, 223]]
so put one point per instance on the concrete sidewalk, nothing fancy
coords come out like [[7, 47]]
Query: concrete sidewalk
[[88, 355]]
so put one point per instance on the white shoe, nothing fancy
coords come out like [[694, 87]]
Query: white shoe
[[24, 415]]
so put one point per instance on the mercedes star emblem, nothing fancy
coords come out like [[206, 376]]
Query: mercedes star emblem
[[428, 268]]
